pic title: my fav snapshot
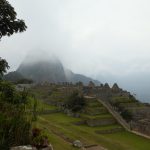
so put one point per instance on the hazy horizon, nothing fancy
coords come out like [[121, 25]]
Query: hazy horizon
[[106, 40]]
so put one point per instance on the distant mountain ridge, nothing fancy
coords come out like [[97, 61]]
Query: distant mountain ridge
[[48, 70], [13, 76], [72, 77]]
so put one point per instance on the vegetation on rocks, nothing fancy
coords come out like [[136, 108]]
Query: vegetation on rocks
[[40, 138], [14, 121]]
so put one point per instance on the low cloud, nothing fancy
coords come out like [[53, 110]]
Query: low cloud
[[89, 36]]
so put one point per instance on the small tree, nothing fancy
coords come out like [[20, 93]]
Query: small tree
[[3, 67], [127, 115], [75, 102], [14, 122]]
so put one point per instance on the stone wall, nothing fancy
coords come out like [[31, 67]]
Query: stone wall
[[100, 122], [142, 126], [109, 131]]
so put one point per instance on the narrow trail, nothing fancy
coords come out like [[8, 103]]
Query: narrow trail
[[120, 119], [115, 115]]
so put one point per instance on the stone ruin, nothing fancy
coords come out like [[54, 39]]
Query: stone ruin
[[140, 114], [104, 91]]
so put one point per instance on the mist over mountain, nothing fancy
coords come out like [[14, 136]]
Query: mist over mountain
[[72, 77], [138, 84], [41, 67], [41, 71]]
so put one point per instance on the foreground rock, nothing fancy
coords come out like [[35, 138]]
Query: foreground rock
[[31, 148], [77, 143], [23, 148]]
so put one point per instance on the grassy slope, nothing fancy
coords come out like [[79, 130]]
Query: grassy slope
[[63, 125], [116, 141]]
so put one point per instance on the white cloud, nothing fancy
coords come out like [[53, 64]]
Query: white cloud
[[89, 36]]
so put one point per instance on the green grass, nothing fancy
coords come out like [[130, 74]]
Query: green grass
[[44, 106], [102, 116], [133, 141], [122, 99], [93, 103], [116, 141], [64, 125], [57, 142], [60, 118], [41, 106]]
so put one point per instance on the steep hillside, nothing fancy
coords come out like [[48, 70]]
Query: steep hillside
[[50, 69], [42, 71], [95, 127], [72, 77]]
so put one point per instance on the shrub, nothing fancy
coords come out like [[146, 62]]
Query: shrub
[[39, 138], [127, 115], [15, 123], [75, 102]]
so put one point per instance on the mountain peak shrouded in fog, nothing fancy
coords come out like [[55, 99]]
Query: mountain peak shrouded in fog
[[106, 40], [37, 56], [41, 67]]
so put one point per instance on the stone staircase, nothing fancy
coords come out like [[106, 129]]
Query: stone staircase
[[120, 120], [115, 115]]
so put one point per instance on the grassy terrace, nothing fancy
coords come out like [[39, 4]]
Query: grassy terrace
[[63, 125], [62, 129], [96, 116], [59, 125]]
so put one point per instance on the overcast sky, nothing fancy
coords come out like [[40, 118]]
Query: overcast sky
[[92, 37]]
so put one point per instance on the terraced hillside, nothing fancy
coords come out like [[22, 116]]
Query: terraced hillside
[[137, 114], [95, 127]]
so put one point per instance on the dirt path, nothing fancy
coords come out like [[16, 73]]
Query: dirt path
[[121, 120], [115, 115]]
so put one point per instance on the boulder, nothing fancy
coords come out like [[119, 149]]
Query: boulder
[[23, 148], [77, 143], [31, 148], [48, 148]]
